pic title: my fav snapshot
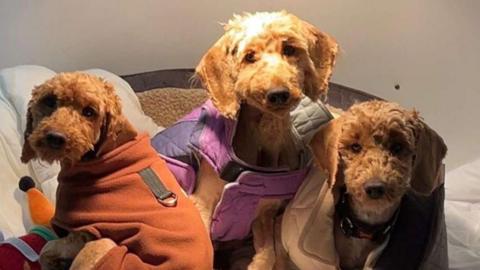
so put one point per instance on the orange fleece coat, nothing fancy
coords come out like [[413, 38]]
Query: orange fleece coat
[[108, 198]]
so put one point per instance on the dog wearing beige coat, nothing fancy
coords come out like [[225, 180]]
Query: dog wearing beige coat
[[375, 164]]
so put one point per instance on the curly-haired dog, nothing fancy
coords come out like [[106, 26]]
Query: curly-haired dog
[[256, 73], [112, 184], [374, 153]]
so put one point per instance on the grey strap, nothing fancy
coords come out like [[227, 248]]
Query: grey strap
[[163, 195], [308, 117], [24, 248]]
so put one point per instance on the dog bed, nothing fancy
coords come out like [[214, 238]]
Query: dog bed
[[165, 96]]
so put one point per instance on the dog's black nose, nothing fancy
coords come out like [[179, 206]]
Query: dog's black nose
[[278, 96], [374, 190], [55, 140]]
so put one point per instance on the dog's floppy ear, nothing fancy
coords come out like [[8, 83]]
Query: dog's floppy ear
[[215, 72], [430, 150], [322, 50], [324, 146], [116, 129], [27, 151]]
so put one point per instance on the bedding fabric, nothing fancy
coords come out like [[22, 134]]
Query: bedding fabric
[[16, 84], [462, 211]]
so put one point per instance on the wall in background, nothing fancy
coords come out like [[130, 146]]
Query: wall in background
[[430, 48]]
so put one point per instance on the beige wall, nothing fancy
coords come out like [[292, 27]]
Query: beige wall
[[430, 47]]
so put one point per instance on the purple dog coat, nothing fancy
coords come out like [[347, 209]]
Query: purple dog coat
[[206, 134]]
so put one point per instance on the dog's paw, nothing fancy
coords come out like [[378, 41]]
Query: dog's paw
[[56, 264], [259, 266], [59, 254], [261, 262], [51, 258], [92, 253]]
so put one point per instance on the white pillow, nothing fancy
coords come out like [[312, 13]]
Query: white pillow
[[15, 88], [462, 215], [12, 200]]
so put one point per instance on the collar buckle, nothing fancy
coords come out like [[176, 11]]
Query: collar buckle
[[347, 227]]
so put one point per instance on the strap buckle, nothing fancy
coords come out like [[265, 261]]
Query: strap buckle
[[170, 201], [164, 196]]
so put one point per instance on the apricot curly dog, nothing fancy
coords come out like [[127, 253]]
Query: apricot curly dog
[[67, 117], [256, 73], [76, 119], [374, 153]]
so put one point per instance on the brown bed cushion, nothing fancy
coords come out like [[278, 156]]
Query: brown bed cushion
[[167, 105]]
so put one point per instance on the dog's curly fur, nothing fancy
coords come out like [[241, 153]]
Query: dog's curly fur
[[386, 136], [78, 106], [85, 111], [262, 51], [382, 142], [258, 54]]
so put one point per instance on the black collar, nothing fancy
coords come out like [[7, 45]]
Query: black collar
[[352, 227]]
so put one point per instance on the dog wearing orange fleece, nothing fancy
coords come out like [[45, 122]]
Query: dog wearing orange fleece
[[117, 203]]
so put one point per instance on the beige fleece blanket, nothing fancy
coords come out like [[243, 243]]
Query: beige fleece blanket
[[167, 105]]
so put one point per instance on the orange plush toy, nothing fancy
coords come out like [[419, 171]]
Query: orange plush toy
[[23, 252]]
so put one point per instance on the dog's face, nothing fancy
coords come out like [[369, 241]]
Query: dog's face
[[71, 115], [267, 60], [378, 150]]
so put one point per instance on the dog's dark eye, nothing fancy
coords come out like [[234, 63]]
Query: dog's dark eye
[[88, 111], [396, 148], [50, 101], [356, 148], [250, 57], [288, 50]]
